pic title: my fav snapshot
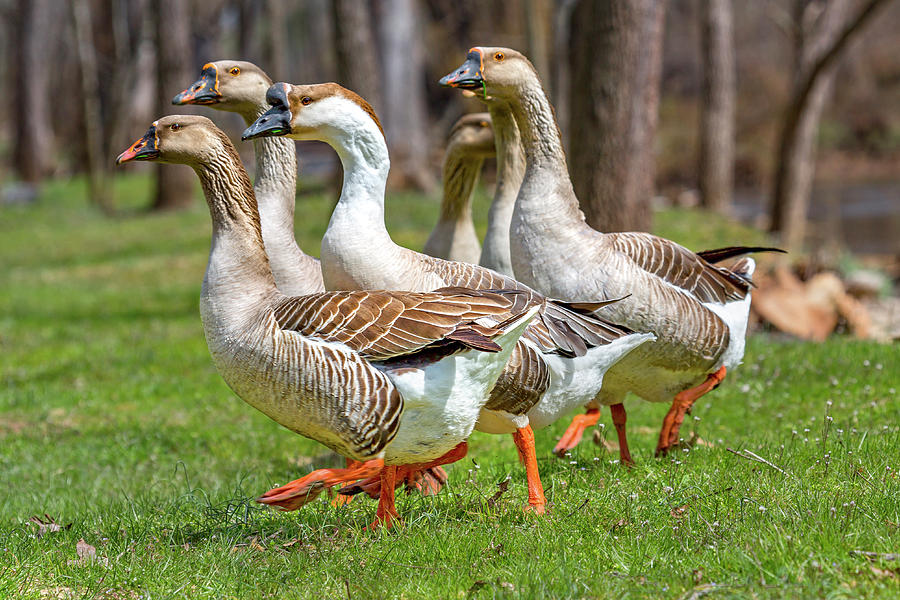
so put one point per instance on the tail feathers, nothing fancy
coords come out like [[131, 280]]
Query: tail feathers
[[470, 338], [588, 308], [720, 254], [744, 269]]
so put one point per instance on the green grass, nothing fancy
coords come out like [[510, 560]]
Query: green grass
[[113, 421]]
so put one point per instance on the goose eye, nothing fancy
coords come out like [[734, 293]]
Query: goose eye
[[235, 71], [305, 100], [175, 126], [499, 56]]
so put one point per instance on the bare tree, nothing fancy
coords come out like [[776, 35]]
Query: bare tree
[[404, 109], [31, 66], [174, 184], [539, 37], [275, 45], [357, 53], [718, 103], [616, 61], [99, 189], [823, 32]]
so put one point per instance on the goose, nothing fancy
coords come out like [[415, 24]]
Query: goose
[[240, 87], [471, 140], [560, 361], [393, 380], [510, 170], [495, 252], [698, 311]]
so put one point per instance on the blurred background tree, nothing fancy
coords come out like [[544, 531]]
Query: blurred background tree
[[763, 110]]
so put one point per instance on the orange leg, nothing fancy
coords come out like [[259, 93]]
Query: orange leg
[[387, 510], [524, 439], [619, 418], [304, 490], [575, 430], [681, 405], [343, 499]]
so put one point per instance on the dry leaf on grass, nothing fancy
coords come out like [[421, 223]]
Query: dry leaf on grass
[[47, 525], [882, 573], [87, 555], [679, 511], [501, 489]]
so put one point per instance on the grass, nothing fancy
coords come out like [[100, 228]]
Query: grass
[[114, 422]]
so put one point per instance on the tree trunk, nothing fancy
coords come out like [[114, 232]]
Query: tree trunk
[[824, 33], [357, 53], [98, 185], [539, 39], [175, 66], [405, 115], [616, 62], [275, 45], [717, 110], [33, 142]]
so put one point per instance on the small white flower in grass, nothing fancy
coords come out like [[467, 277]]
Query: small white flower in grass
[[696, 418], [828, 403], [866, 363], [601, 426], [806, 430], [745, 388], [793, 432], [805, 439], [762, 508], [634, 496], [668, 489], [879, 366], [596, 459], [573, 462]]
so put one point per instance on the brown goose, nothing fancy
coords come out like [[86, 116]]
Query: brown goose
[[560, 361], [470, 141], [240, 87], [394, 380], [698, 311]]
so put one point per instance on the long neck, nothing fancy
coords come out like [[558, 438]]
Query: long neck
[[275, 188], [546, 189], [510, 171], [238, 274], [357, 236], [454, 234]]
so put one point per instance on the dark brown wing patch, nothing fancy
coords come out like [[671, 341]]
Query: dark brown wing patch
[[680, 267]]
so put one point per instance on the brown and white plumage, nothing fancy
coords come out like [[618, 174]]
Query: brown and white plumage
[[240, 87], [697, 310], [563, 354], [392, 377]]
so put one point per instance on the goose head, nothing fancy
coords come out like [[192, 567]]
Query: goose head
[[232, 85], [491, 72], [473, 134], [312, 112], [178, 139]]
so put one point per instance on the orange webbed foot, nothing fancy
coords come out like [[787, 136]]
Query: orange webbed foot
[[575, 431], [302, 491]]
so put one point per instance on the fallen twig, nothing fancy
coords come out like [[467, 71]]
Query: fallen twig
[[579, 507], [747, 455], [875, 555]]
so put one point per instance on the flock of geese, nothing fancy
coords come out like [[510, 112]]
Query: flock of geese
[[391, 357]]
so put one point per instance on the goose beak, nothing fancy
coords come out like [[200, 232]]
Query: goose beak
[[203, 91], [469, 76], [146, 148], [274, 122]]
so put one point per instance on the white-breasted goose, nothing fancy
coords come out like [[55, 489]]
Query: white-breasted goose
[[395, 380]]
